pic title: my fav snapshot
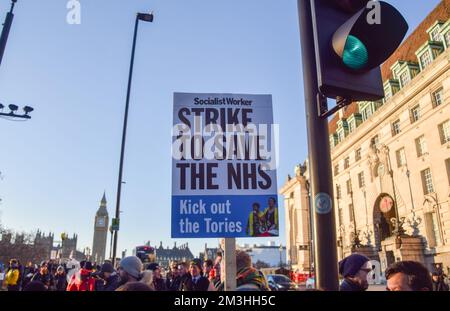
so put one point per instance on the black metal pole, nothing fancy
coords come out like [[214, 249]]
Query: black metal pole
[[6, 29], [356, 241], [124, 134], [398, 231], [111, 244], [319, 158]]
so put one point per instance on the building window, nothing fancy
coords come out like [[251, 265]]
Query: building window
[[447, 38], [435, 35], [341, 136], [367, 112], [349, 186], [341, 217], [421, 146], [338, 192], [361, 180], [427, 181], [350, 210], [432, 227], [387, 93], [396, 127], [401, 157], [447, 165], [336, 170], [415, 114], [405, 78], [376, 141], [444, 131], [346, 163], [351, 127], [438, 97], [425, 59], [358, 154]]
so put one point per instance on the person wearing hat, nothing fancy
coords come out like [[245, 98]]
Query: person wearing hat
[[130, 269], [197, 282], [158, 282], [60, 279], [107, 278], [354, 269], [43, 276]]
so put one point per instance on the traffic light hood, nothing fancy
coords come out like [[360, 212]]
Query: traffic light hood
[[362, 43]]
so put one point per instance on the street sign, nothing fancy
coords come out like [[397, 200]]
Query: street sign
[[223, 166], [115, 224]]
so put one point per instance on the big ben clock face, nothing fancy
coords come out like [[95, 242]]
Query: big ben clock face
[[386, 204], [100, 221]]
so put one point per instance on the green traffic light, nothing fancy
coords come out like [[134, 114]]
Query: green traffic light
[[355, 54]]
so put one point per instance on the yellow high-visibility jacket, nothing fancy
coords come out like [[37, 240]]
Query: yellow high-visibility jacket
[[12, 277], [266, 211], [251, 221]]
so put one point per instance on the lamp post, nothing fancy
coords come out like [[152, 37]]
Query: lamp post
[[13, 112], [6, 29], [356, 241], [281, 252], [147, 17], [399, 231], [415, 221]]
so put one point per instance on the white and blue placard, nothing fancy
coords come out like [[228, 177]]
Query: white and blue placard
[[223, 166]]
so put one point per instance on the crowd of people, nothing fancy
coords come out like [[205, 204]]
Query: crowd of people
[[132, 275]]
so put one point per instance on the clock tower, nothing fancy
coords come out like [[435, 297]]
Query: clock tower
[[100, 233]]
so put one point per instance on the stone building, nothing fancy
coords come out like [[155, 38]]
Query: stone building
[[165, 255], [101, 228]]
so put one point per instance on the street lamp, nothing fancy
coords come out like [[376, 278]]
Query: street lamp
[[6, 29], [146, 17], [356, 240], [415, 221], [281, 251], [13, 112]]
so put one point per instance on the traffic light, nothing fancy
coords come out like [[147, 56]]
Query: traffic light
[[352, 39]]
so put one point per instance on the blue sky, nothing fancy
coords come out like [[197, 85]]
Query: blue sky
[[57, 165]]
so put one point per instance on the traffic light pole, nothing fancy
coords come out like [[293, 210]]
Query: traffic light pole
[[319, 160]]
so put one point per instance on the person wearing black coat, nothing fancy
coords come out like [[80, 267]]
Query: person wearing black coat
[[60, 279], [43, 276], [108, 279], [354, 269], [196, 282], [173, 278], [439, 283]]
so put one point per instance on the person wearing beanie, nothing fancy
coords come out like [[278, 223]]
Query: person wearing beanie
[[197, 282], [158, 282], [354, 269], [130, 269], [107, 278]]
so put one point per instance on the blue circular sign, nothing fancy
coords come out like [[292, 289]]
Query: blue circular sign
[[322, 203]]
